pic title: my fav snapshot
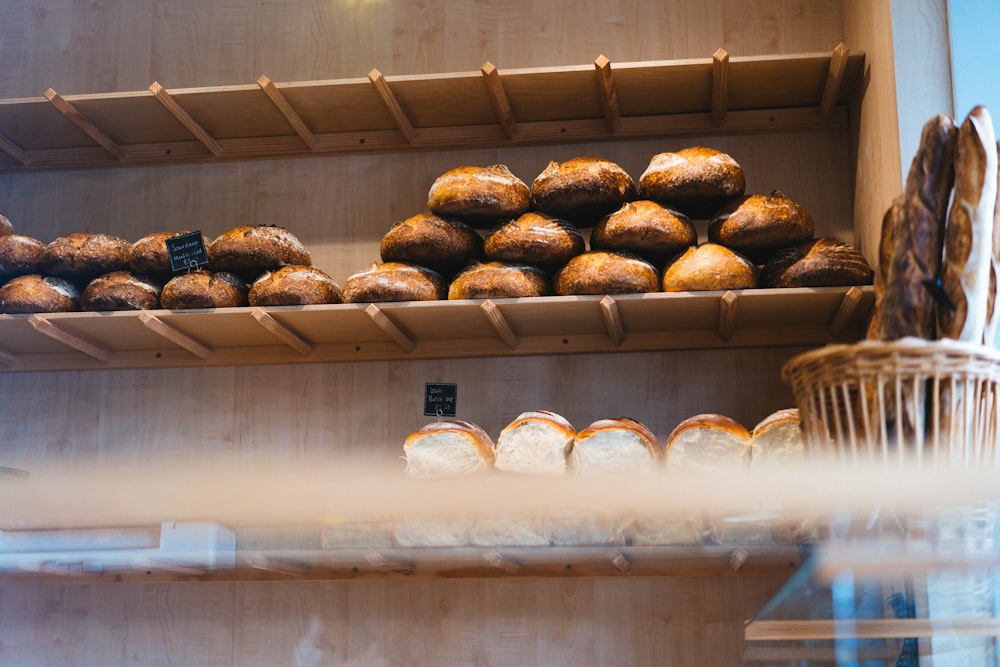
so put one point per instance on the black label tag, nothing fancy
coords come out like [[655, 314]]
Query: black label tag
[[440, 399], [187, 251]]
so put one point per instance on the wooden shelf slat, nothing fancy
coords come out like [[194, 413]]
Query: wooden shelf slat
[[154, 323], [285, 334], [292, 116], [45, 326], [403, 123], [84, 123], [164, 97]]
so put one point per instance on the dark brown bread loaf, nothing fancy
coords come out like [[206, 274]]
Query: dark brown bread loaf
[[204, 289], [20, 255], [534, 238], [696, 181], [708, 267], [480, 196], [149, 255], [757, 225], [5, 225], [446, 246], [645, 228], [605, 272], [120, 290], [498, 280], [823, 262], [968, 243], [394, 281], [294, 286], [82, 256], [993, 310], [38, 294], [912, 239], [250, 250], [582, 190]]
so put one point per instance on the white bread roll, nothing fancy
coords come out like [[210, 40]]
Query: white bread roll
[[448, 447], [535, 443], [777, 439], [614, 445], [707, 441]]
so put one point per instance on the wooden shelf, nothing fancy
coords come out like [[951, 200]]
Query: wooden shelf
[[433, 329], [488, 108]]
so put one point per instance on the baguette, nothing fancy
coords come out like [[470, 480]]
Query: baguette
[[991, 304], [968, 246], [912, 238]]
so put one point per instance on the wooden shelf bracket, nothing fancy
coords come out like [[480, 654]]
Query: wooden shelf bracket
[[389, 328], [498, 96], [7, 359], [45, 326], [392, 104], [155, 324], [834, 79], [500, 324], [195, 128], [13, 150], [613, 320], [619, 560], [290, 114], [720, 86], [501, 562], [846, 311], [727, 315], [609, 96], [82, 122], [285, 334]]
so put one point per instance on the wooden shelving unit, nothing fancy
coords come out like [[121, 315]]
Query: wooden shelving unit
[[488, 108], [433, 329]]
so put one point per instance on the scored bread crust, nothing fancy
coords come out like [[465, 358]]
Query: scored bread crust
[[448, 447], [582, 189], [6, 226], [120, 290], [729, 442], [823, 262], [968, 245], [394, 281], [82, 256], [479, 195], [499, 280], [20, 255], [758, 224], [645, 228], [204, 289], [446, 246], [34, 293], [992, 310], [696, 180], [543, 450], [534, 238], [249, 250], [149, 256], [294, 286], [709, 267], [606, 272]]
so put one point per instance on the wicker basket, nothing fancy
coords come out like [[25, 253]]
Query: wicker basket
[[910, 400]]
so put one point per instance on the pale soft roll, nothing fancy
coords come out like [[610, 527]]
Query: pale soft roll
[[617, 445], [707, 441], [448, 447], [535, 443], [777, 438]]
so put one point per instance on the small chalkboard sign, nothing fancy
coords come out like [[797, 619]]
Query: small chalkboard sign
[[187, 251], [440, 399]]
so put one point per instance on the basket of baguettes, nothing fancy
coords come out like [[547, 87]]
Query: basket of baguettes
[[923, 387]]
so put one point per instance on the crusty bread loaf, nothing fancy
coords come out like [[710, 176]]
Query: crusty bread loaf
[[204, 289], [448, 447], [777, 438], [20, 255], [696, 180], [534, 238], [912, 238], [480, 196], [34, 293], [605, 272], [446, 246], [6, 227], [498, 280], [294, 286], [993, 307], [968, 245], [757, 225], [149, 256], [707, 267], [824, 262], [249, 250], [582, 189], [82, 256], [121, 290], [615, 445], [394, 281], [645, 228], [707, 441], [535, 443]]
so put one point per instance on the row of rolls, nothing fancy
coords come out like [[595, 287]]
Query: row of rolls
[[485, 234]]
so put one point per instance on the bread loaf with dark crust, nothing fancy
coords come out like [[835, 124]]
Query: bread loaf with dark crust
[[757, 225], [120, 290], [446, 246], [249, 250], [150, 257], [709, 267], [696, 181], [582, 190], [394, 281], [6, 227], [968, 243], [534, 238], [645, 228], [294, 286], [82, 256], [912, 238], [34, 293], [499, 280], [480, 196], [204, 289], [20, 255], [605, 272], [993, 308], [823, 262]]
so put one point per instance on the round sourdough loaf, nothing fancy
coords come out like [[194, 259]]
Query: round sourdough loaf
[[120, 290], [6, 227], [604, 272], [394, 281], [582, 189], [448, 447], [696, 180], [294, 286], [534, 238], [149, 256], [537, 442], [757, 225], [645, 228], [499, 280], [82, 256], [707, 267], [446, 246], [250, 250], [34, 293], [20, 255], [480, 196], [615, 445], [204, 289], [824, 262]]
